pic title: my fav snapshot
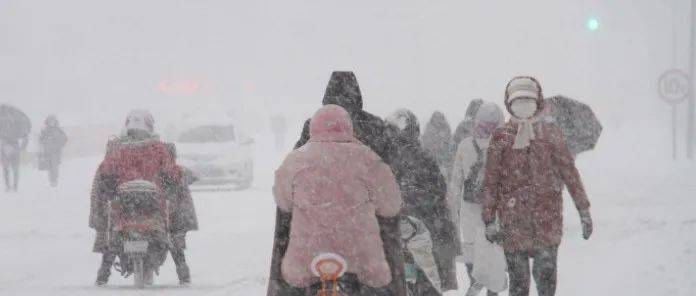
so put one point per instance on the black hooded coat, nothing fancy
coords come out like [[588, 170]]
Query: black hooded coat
[[437, 141], [343, 90], [424, 192]]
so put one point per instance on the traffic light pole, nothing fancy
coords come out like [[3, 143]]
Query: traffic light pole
[[692, 99]]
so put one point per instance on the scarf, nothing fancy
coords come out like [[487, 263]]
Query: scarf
[[525, 132]]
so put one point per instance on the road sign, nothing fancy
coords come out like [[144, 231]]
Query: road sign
[[673, 86]]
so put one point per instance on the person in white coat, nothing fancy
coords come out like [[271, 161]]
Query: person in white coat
[[465, 193]]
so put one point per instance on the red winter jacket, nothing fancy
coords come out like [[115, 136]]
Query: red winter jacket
[[146, 159], [524, 187], [130, 159]]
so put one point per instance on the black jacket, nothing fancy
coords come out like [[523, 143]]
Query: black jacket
[[437, 141], [424, 191], [52, 139], [343, 90]]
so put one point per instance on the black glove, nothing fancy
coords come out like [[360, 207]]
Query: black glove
[[492, 232]]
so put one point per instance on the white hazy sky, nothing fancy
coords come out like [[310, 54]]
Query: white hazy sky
[[91, 61]]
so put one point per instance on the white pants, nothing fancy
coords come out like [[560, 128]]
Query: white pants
[[470, 225], [488, 258]]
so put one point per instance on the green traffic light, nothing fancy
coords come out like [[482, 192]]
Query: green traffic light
[[592, 24]]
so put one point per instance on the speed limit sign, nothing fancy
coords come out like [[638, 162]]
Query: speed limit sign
[[673, 86]]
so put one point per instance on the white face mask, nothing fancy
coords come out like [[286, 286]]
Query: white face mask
[[524, 108]]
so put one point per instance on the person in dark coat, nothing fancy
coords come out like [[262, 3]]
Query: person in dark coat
[[10, 156], [343, 90], [465, 127], [437, 141], [182, 219], [424, 191], [52, 140]]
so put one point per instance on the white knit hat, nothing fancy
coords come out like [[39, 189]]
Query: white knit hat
[[522, 87], [140, 120]]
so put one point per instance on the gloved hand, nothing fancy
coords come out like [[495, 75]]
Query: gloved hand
[[492, 233], [586, 221]]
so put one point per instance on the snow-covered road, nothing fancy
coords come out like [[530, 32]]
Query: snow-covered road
[[644, 244]]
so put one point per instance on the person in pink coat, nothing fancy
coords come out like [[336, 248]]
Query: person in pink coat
[[335, 187]]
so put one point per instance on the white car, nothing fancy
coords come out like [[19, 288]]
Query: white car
[[217, 156]]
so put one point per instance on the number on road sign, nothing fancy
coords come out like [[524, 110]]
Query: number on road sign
[[673, 86]]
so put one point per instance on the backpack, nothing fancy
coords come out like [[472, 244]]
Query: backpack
[[472, 187]]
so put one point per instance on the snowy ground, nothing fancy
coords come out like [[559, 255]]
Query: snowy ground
[[645, 242]]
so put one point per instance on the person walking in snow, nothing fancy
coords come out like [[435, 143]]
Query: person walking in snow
[[182, 218], [528, 164], [343, 90], [279, 128], [335, 187], [437, 141], [465, 127], [465, 193], [10, 155], [139, 154], [424, 191], [52, 141]]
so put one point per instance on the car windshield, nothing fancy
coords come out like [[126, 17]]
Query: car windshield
[[208, 134]]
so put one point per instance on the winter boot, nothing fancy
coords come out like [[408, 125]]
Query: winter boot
[[182, 269], [105, 269], [184, 275], [474, 289], [102, 277], [149, 277]]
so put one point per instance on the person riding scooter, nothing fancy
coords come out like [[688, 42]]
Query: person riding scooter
[[138, 155]]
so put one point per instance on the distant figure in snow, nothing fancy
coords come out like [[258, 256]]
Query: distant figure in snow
[[465, 127], [51, 140], [182, 218], [15, 127], [343, 90], [437, 141], [335, 187], [11, 152], [424, 191], [528, 164], [279, 127], [465, 193]]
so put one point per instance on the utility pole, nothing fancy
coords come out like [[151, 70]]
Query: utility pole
[[692, 99]]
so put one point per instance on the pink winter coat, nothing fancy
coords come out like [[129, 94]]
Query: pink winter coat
[[335, 186]]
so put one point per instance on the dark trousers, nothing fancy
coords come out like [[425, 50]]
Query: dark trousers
[[543, 270], [104, 272], [10, 171], [182, 269], [53, 168]]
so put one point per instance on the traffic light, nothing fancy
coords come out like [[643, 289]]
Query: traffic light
[[592, 24]]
